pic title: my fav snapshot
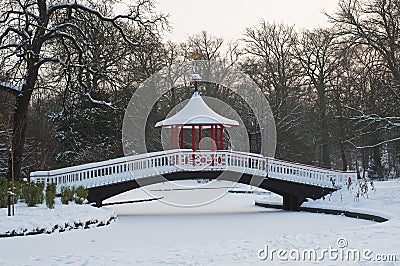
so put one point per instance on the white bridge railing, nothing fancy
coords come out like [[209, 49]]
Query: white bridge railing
[[182, 160]]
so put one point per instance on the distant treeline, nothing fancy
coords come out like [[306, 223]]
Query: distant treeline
[[68, 71]]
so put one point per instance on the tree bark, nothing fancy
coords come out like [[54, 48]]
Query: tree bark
[[343, 155], [19, 126], [24, 97], [324, 133]]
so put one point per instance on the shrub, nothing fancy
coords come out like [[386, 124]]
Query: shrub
[[67, 194], [81, 195], [4, 186], [32, 193], [50, 195], [3, 193], [17, 191]]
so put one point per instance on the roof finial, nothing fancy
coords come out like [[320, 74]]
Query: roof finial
[[196, 78]]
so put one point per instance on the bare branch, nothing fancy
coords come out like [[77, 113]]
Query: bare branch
[[375, 145]]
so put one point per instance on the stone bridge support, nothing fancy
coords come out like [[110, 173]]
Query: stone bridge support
[[292, 202]]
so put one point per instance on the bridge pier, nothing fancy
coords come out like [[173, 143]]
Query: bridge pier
[[291, 202]]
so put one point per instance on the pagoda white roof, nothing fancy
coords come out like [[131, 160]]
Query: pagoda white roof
[[196, 112]]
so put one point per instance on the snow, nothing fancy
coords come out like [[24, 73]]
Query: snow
[[228, 231], [62, 217], [383, 202], [10, 86], [196, 112], [108, 104]]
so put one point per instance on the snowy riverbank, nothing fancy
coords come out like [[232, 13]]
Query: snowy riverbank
[[40, 219], [383, 201]]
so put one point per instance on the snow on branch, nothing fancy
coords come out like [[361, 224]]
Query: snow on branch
[[11, 29], [374, 145], [10, 88], [390, 121], [377, 122], [51, 59], [108, 104], [64, 35], [112, 20]]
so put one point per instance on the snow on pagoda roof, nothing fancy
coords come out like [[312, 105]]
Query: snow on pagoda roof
[[196, 112]]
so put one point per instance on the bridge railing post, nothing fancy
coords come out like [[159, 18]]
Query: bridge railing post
[[181, 159]]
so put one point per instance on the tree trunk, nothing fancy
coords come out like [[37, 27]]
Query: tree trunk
[[23, 98], [19, 124], [377, 163], [324, 134], [343, 154], [365, 160], [18, 135]]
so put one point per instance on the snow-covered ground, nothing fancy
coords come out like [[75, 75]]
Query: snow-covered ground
[[382, 239], [228, 231], [384, 201], [61, 218]]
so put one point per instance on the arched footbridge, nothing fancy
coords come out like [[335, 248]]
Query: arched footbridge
[[295, 182]]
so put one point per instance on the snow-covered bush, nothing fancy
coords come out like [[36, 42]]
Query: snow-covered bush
[[5, 185], [50, 195], [80, 195], [3, 193], [32, 193], [67, 194]]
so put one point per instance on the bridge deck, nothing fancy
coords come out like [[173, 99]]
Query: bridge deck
[[141, 166]]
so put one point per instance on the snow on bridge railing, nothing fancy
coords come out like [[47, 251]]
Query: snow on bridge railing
[[179, 160]]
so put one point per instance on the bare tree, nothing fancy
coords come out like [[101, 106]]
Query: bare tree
[[29, 32], [203, 46], [317, 54], [372, 23], [271, 62], [374, 27]]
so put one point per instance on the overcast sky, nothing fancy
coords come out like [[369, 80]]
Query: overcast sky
[[230, 18]]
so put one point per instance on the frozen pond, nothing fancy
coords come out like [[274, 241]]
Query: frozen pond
[[229, 230]]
